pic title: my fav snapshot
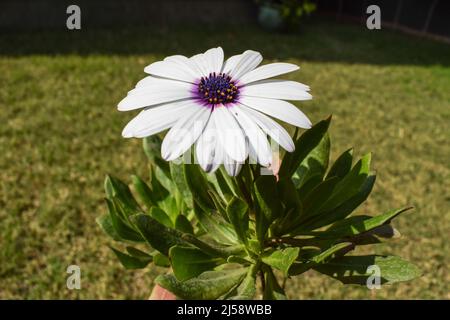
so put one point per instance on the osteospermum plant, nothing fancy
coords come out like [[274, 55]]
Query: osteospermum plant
[[222, 211]]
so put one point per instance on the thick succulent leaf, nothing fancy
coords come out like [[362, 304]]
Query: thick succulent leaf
[[281, 259], [156, 234], [183, 224], [119, 222], [272, 290], [354, 269], [207, 286], [132, 262], [309, 140], [247, 289], [189, 262], [216, 226], [198, 186], [160, 216], [342, 165], [314, 165], [237, 211]]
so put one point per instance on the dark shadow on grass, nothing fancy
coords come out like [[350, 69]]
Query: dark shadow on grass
[[319, 40]]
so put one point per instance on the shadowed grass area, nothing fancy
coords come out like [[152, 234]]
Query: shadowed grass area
[[60, 135]]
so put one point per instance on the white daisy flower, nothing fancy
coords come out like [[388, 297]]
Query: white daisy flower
[[222, 107]]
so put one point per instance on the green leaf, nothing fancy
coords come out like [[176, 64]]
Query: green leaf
[[337, 250], [137, 253], [318, 196], [349, 185], [182, 223], [281, 259], [207, 286], [343, 210], [237, 211], [106, 225], [143, 191], [342, 165], [177, 173], [121, 227], [227, 185], [170, 207], [359, 224], [315, 164], [161, 260], [303, 146], [131, 262], [199, 186], [156, 234], [189, 262], [272, 290], [247, 289], [267, 196], [289, 196], [293, 209], [354, 269], [152, 149], [216, 226], [115, 188], [158, 192], [160, 216]]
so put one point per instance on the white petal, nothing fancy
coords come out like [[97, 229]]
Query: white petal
[[184, 133], [169, 69], [279, 109], [208, 152], [200, 62], [271, 127], [155, 92], [229, 133], [185, 64], [231, 63], [157, 119], [267, 71], [232, 167], [277, 89], [214, 59], [248, 61], [256, 138]]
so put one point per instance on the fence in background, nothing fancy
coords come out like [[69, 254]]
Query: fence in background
[[421, 17]]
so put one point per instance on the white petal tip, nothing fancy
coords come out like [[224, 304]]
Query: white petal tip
[[127, 134]]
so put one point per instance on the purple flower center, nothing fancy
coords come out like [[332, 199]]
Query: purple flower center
[[217, 89]]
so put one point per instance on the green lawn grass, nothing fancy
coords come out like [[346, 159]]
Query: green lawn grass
[[60, 134]]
